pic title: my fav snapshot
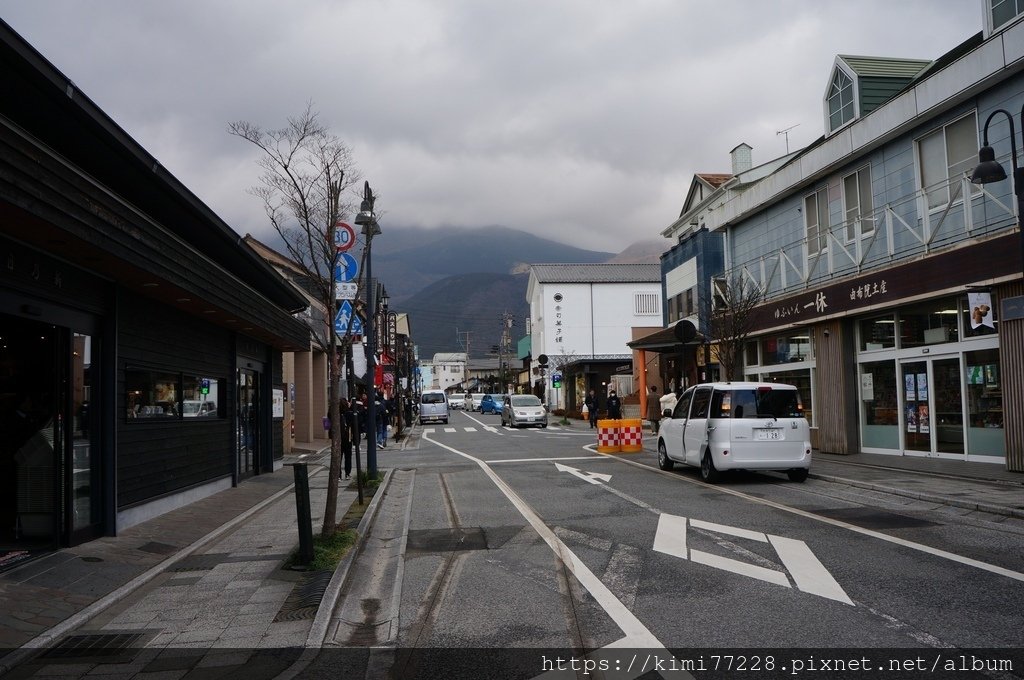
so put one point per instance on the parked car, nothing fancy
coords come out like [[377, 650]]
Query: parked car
[[474, 400], [523, 409], [490, 403], [192, 408], [433, 407], [457, 399], [740, 425]]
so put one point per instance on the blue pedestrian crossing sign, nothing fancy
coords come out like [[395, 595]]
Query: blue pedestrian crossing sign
[[341, 320], [346, 269]]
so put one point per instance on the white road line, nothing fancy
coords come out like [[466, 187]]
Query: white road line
[[741, 568], [450, 429], [935, 552], [636, 633], [546, 460], [469, 429], [807, 571]]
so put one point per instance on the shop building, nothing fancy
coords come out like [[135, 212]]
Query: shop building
[[141, 362], [891, 281]]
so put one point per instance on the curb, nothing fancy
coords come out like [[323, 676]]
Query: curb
[[318, 631], [916, 495]]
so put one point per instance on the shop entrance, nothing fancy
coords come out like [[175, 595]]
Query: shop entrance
[[932, 416], [248, 422], [49, 463]]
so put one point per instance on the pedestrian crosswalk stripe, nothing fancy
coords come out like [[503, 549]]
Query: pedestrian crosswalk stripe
[[470, 429], [450, 429]]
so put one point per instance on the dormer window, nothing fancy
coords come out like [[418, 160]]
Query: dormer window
[[1002, 12], [840, 101]]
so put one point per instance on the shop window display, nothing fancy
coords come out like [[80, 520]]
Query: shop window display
[[985, 404]]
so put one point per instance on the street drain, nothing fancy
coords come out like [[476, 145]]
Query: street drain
[[447, 540], [98, 647], [304, 600]]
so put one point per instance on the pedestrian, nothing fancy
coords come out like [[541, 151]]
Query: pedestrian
[[359, 416], [614, 406], [345, 432], [654, 409], [380, 406], [590, 401]]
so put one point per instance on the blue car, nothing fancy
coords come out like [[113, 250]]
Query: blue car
[[490, 404]]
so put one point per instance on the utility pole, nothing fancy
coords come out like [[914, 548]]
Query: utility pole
[[505, 348], [465, 366]]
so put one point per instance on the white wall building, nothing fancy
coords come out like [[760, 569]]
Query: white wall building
[[446, 369], [582, 316]]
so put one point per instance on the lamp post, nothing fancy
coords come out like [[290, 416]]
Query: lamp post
[[989, 170], [368, 221]]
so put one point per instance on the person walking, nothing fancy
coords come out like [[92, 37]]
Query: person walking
[[380, 406], [347, 419], [654, 409], [614, 406], [590, 401]]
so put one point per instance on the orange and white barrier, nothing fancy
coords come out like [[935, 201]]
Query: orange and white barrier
[[608, 436], [631, 435]]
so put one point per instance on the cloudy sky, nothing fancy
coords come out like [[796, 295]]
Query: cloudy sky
[[577, 120]]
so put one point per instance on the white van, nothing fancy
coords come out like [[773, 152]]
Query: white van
[[737, 426], [433, 407]]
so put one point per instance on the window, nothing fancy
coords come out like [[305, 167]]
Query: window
[[645, 304], [945, 155], [877, 333], [840, 101], [158, 395], [1004, 11], [690, 311], [857, 199], [783, 349], [816, 215]]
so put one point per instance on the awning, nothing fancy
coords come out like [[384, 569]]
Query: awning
[[664, 341]]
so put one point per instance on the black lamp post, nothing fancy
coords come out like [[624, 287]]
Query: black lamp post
[[990, 170], [368, 221]]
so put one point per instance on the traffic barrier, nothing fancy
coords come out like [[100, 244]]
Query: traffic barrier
[[608, 436], [631, 435]]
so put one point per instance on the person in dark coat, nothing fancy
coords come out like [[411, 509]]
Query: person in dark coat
[[654, 409], [590, 401], [345, 432], [614, 406]]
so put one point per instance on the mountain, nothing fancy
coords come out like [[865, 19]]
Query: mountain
[[408, 260]]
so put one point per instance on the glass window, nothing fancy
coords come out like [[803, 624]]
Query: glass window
[[985, 404], [701, 400], [859, 206], [816, 217], [879, 404], [945, 155], [929, 323], [840, 100], [750, 354], [683, 405], [877, 333], [783, 349], [802, 381], [151, 394], [201, 397], [1004, 11]]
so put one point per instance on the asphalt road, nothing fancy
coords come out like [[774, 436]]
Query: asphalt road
[[529, 539]]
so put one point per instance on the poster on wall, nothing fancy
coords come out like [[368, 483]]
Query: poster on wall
[[278, 403], [912, 418], [922, 418], [909, 388], [922, 387]]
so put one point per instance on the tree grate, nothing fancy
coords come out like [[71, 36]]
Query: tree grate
[[304, 600]]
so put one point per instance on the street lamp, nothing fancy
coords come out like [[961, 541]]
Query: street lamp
[[990, 170], [368, 221]]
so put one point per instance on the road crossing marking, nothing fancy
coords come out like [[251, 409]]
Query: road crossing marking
[[592, 477], [807, 571], [450, 429]]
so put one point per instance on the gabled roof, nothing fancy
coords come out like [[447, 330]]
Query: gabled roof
[[885, 67], [714, 180], [596, 273]]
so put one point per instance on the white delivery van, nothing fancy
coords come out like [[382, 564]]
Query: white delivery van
[[737, 426], [433, 407]]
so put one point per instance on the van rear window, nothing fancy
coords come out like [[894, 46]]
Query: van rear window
[[759, 403], [432, 398]]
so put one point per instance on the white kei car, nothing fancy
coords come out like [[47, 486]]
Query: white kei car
[[737, 426]]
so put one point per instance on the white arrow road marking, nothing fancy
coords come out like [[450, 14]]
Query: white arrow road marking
[[592, 477], [807, 571]]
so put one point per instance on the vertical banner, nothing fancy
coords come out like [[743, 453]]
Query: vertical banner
[[980, 308]]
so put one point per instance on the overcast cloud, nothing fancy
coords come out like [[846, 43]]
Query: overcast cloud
[[577, 120]]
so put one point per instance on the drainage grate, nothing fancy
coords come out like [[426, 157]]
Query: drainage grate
[[305, 598], [159, 548], [446, 540], [98, 647], [211, 560]]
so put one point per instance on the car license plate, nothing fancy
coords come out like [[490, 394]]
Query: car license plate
[[768, 434]]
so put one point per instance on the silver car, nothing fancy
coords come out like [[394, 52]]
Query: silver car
[[523, 409]]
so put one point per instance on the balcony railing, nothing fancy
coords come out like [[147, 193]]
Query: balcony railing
[[899, 231]]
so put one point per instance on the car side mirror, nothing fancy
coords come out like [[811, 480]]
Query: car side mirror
[[666, 413]]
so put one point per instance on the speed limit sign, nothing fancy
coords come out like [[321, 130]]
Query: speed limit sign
[[344, 236]]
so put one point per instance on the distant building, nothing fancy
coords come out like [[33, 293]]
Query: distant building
[[582, 317]]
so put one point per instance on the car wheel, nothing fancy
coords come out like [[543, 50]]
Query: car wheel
[[708, 472], [664, 462], [797, 475], [543, 425]]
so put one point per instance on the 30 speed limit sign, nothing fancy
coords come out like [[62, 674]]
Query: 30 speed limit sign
[[344, 236]]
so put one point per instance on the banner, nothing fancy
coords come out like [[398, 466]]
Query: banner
[[980, 308]]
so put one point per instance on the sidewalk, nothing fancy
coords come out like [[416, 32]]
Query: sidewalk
[[209, 576]]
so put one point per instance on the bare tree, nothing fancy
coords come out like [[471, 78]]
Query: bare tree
[[729, 313], [306, 170]]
